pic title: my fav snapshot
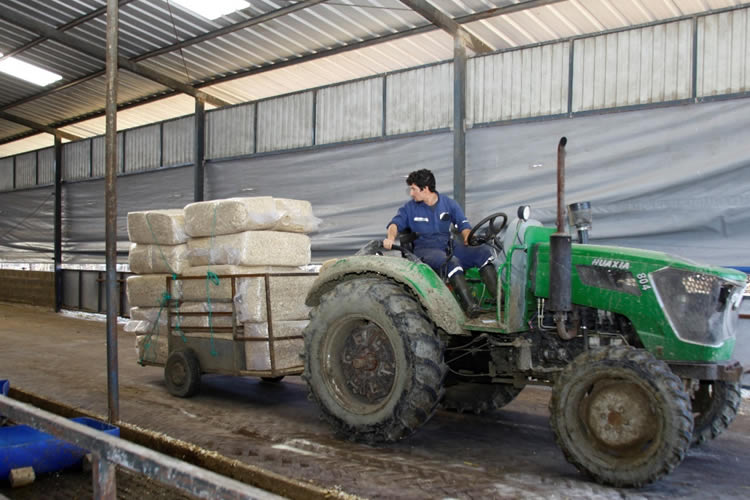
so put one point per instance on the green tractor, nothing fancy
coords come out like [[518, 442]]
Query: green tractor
[[636, 344]]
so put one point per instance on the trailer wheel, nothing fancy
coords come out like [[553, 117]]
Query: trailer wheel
[[182, 373], [621, 416], [715, 405], [373, 362], [478, 398]]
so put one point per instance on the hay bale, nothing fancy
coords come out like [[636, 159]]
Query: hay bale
[[228, 216], [194, 290], [295, 216], [150, 259], [151, 348], [281, 329], [251, 248], [147, 290], [288, 295], [142, 319], [287, 354], [167, 227]]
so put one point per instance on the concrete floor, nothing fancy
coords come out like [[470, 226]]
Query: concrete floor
[[510, 453]]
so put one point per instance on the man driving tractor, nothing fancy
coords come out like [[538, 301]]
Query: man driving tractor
[[429, 216]]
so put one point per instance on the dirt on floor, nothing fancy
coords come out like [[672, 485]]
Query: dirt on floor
[[509, 453]]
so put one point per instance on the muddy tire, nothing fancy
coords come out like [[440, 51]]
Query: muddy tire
[[715, 405], [478, 398], [373, 362], [621, 416], [182, 373], [272, 380]]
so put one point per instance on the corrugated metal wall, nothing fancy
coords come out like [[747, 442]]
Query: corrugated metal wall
[[350, 111], [724, 53], [179, 141], [229, 131], [420, 99], [285, 122], [46, 167], [648, 65], [642, 66], [76, 160], [518, 84], [6, 174], [26, 170], [142, 148], [97, 155]]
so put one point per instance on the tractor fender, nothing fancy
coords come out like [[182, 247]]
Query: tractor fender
[[424, 283]]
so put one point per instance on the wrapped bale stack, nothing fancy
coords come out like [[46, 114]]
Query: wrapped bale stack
[[231, 237], [158, 249], [241, 236]]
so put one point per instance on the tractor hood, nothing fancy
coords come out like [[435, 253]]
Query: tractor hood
[[681, 309]]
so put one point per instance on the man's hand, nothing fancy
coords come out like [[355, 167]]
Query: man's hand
[[465, 234], [390, 238], [388, 243]]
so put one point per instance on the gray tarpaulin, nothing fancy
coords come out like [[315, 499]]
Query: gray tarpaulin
[[674, 179]]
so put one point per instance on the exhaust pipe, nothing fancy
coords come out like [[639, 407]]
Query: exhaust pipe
[[560, 257]]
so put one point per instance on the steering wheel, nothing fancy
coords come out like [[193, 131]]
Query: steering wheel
[[488, 234]]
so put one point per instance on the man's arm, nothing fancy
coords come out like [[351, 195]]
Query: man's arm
[[391, 236], [465, 234]]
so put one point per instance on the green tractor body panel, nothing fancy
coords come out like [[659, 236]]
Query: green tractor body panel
[[426, 285], [628, 281]]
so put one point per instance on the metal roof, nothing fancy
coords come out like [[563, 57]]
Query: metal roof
[[271, 48]]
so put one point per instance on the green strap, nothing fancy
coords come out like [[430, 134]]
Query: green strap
[[211, 277]]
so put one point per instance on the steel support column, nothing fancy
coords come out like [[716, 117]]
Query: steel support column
[[199, 150], [459, 121], [110, 188], [58, 224]]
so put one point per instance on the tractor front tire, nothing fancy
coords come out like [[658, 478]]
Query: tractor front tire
[[715, 404], [182, 373], [621, 416], [467, 397], [373, 361]]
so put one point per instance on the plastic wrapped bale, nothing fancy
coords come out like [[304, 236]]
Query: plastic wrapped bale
[[162, 227], [281, 329], [287, 354], [288, 295], [295, 216], [149, 290], [251, 248], [151, 259], [196, 290], [228, 216], [211, 315], [142, 319], [151, 348]]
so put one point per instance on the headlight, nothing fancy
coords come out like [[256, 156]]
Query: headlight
[[702, 308]]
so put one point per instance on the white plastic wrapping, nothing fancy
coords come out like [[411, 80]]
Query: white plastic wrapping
[[288, 295], [251, 248], [295, 216], [231, 215], [163, 227], [281, 329], [287, 354], [150, 259], [148, 290], [151, 348]]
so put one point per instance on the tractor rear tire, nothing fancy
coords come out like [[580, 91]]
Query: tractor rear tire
[[621, 416], [182, 373], [373, 361], [474, 398], [715, 405]]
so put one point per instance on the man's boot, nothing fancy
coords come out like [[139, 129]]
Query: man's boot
[[467, 300], [488, 273]]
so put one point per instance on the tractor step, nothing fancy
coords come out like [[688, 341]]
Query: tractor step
[[486, 321]]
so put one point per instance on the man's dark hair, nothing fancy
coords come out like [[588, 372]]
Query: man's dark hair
[[422, 178]]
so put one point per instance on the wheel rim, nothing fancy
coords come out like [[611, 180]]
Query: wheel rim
[[359, 365], [619, 418], [178, 374]]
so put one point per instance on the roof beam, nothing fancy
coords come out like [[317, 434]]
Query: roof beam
[[498, 11], [38, 126], [447, 23], [99, 53], [72, 24]]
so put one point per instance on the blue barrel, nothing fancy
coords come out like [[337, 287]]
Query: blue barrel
[[24, 446], [4, 387]]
